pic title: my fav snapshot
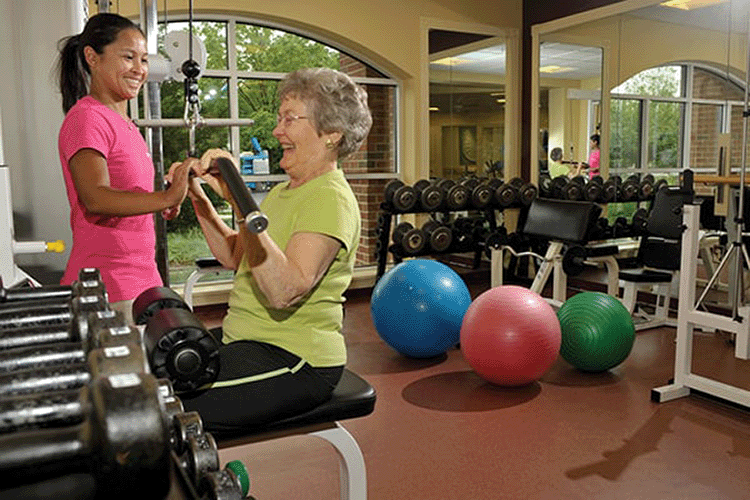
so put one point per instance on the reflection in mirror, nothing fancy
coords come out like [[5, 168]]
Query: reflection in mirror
[[570, 82], [467, 104]]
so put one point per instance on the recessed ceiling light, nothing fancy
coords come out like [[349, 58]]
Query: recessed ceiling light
[[691, 4], [553, 68]]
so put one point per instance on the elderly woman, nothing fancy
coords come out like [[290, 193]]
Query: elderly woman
[[283, 350]]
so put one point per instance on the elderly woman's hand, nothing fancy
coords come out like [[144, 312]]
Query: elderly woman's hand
[[209, 172]]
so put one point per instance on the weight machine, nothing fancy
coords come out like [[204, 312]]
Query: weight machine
[[691, 313], [10, 273]]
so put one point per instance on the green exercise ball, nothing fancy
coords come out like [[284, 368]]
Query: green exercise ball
[[597, 331]]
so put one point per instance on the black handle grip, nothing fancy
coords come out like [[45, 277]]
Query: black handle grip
[[256, 221]]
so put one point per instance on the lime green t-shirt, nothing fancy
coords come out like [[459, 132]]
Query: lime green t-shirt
[[311, 328]]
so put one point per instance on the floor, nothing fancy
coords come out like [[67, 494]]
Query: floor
[[440, 432]]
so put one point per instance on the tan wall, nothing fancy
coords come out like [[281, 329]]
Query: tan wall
[[385, 33]]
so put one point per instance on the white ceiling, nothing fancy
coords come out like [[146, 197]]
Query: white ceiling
[[585, 62]]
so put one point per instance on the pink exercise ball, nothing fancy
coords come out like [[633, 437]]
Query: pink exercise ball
[[510, 335]]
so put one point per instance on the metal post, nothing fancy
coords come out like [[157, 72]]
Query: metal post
[[149, 25]]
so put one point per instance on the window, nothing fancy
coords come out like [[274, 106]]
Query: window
[[244, 63], [669, 118]]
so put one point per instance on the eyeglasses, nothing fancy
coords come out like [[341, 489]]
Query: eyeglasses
[[287, 120]]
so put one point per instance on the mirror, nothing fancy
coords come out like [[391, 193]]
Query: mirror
[[467, 104], [570, 109], [674, 79]]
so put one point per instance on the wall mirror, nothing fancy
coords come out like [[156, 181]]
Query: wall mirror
[[673, 74], [467, 103]]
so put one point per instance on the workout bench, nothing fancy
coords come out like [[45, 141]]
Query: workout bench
[[204, 267], [563, 223], [353, 397]]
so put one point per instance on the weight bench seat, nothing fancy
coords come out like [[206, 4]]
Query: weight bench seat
[[645, 276], [353, 397]]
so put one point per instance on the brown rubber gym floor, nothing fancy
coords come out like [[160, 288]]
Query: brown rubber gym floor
[[440, 432]]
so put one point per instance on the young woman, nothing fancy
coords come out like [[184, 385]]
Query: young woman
[[108, 171]]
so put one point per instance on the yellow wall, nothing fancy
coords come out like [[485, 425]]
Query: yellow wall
[[388, 34]]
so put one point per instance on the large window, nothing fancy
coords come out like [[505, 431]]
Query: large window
[[669, 118], [244, 63]]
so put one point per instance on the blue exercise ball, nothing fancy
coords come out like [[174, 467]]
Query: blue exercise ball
[[418, 307]]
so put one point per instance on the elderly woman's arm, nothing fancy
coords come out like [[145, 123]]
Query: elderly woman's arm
[[222, 240], [286, 276]]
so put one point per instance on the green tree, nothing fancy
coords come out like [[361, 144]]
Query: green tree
[[259, 49]]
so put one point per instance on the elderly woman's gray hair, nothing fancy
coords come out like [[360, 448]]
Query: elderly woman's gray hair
[[334, 102]]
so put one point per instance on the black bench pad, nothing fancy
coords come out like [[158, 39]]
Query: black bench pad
[[353, 397], [645, 276]]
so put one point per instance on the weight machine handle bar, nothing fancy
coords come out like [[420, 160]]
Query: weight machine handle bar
[[255, 220]]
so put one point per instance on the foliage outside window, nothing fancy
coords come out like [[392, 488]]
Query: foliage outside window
[[650, 113], [244, 64]]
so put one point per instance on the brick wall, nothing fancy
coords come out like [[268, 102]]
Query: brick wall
[[377, 155]]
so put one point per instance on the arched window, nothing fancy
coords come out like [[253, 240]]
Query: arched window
[[244, 62], [669, 118]]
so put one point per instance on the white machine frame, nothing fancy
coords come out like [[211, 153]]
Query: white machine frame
[[690, 317]]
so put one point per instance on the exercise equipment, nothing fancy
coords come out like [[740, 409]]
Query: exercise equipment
[[510, 336], [154, 299], [352, 397], [429, 196], [597, 331], [411, 240], [400, 196], [563, 224], [439, 236], [255, 220], [77, 330], [181, 349], [44, 369], [123, 441], [89, 283], [455, 196], [29, 313], [418, 306]]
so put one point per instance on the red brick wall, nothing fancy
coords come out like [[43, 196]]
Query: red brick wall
[[377, 155]]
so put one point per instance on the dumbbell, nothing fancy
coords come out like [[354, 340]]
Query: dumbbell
[[77, 330], [482, 194], [647, 187], [661, 183], [494, 240], [89, 283], [30, 313], [400, 196], [621, 228], [122, 441], [574, 190], [429, 196], [592, 190], [181, 349], [506, 194], [609, 189], [410, 239], [439, 236], [230, 483], [630, 188], [545, 185], [527, 193], [112, 348], [557, 185], [455, 196], [602, 230]]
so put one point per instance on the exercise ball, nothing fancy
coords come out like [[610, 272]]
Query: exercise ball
[[510, 335], [597, 331], [417, 307]]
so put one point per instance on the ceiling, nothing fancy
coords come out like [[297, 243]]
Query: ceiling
[[478, 54]]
